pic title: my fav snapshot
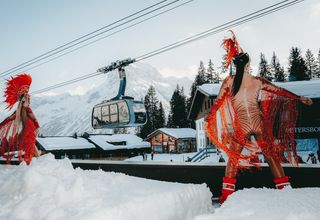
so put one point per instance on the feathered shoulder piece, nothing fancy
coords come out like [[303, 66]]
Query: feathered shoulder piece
[[232, 48], [16, 86]]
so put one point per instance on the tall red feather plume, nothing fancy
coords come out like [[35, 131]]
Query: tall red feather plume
[[232, 48], [16, 86]]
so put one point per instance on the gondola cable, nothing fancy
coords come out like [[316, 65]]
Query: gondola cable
[[201, 35], [74, 43]]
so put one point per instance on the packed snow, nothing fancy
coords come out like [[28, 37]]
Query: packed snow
[[52, 189], [131, 141], [64, 143], [269, 204], [177, 132]]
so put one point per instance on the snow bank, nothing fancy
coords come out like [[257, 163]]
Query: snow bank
[[269, 204], [52, 189]]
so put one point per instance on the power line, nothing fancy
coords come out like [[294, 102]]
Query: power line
[[113, 33], [83, 77], [75, 43], [236, 22]]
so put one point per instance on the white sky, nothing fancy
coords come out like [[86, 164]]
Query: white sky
[[30, 28]]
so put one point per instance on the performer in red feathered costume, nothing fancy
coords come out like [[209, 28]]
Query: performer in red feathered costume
[[252, 115], [18, 131]]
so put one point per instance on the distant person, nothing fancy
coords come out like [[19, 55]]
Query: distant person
[[239, 121], [18, 132], [152, 155], [312, 158], [318, 153], [221, 159]]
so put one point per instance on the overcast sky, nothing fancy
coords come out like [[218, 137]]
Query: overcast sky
[[30, 28]]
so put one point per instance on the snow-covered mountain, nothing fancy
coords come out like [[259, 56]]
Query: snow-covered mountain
[[66, 114]]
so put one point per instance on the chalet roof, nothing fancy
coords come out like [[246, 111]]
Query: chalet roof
[[178, 133], [109, 142], [64, 143]]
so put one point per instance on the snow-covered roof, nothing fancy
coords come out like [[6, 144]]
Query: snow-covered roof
[[209, 89], [64, 143], [178, 133], [309, 88], [131, 141]]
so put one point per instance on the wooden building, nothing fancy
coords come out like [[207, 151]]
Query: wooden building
[[173, 140], [200, 107]]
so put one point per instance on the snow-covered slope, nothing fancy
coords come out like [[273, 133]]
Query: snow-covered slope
[[66, 114]]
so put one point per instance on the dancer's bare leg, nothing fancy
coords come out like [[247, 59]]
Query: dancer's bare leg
[[275, 166], [36, 152]]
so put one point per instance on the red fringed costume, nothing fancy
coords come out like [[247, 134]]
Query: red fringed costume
[[18, 131], [241, 121], [252, 116], [272, 124]]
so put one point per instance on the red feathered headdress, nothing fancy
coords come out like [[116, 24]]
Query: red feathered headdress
[[16, 86], [232, 48]]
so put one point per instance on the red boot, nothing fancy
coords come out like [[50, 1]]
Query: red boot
[[282, 182], [228, 187]]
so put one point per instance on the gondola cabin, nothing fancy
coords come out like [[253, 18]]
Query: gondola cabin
[[125, 112]]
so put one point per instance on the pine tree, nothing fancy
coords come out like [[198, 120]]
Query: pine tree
[[276, 70], [199, 80], [264, 68], [297, 67], [161, 117], [178, 112], [311, 64], [212, 75], [151, 105], [222, 67]]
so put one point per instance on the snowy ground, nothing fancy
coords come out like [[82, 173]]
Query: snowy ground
[[269, 204], [52, 189]]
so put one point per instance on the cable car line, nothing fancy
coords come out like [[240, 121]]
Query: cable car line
[[86, 35], [113, 33], [63, 48], [220, 28], [233, 23]]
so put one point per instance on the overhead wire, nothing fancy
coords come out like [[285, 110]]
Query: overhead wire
[[236, 22], [220, 28], [75, 43], [113, 33]]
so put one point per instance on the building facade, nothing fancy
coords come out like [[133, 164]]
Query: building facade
[[173, 140]]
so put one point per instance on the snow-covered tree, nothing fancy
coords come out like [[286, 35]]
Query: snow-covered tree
[[264, 68], [311, 64], [151, 104], [276, 70], [212, 75]]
